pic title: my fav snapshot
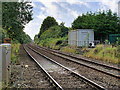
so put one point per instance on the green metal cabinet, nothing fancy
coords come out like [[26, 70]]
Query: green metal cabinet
[[113, 38]]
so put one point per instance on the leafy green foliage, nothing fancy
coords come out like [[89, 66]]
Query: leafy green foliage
[[47, 23], [103, 23], [52, 32], [15, 52], [21, 38], [24, 38], [57, 43], [15, 15], [54, 37], [3, 35], [64, 30], [36, 39], [54, 43]]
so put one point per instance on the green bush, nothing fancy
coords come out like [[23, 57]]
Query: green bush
[[58, 43], [54, 43], [52, 32]]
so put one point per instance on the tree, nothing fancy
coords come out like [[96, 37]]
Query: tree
[[52, 32], [24, 38], [103, 23], [47, 23], [15, 15], [64, 30]]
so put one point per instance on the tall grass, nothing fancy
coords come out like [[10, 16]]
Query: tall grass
[[106, 53], [15, 53], [67, 49]]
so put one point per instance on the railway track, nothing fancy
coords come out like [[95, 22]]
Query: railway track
[[63, 76], [85, 60], [109, 70], [103, 75], [28, 74], [52, 81]]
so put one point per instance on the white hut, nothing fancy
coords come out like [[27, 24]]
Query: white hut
[[81, 37]]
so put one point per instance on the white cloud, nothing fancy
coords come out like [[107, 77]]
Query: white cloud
[[41, 16], [75, 14], [53, 10], [77, 2], [43, 8], [59, 21], [32, 28], [111, 4], [50, 8]]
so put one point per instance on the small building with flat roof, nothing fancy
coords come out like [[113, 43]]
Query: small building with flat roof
[[81, 37]]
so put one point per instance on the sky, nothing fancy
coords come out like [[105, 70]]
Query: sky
[[64, 11]]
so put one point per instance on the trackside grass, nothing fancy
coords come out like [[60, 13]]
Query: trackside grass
[[15, 53], [67, 49], [106, 53]]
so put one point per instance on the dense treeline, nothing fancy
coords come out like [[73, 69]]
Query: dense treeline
[[51, 29], [15, 15], [47, 23], [103, 23], [51, 32]]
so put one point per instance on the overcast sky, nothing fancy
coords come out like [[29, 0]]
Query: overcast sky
[[64, 11]]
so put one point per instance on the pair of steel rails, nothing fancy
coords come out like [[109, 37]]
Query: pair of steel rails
[[55, 83]]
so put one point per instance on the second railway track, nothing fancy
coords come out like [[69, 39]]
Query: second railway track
[[107, 81], [113, 71], [63, 75]]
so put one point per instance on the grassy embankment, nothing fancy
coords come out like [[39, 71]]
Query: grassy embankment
[[101, 52], [106, 53]]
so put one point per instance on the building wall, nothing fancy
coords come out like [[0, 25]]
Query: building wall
[[85, 36], [72, 37], [81, 37]]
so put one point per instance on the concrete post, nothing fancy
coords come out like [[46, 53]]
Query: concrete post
[[5, 59], [2, 65], [8, 61]]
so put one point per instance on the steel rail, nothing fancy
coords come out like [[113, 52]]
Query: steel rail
[[110, 74], [48, 75], [73, 72]]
